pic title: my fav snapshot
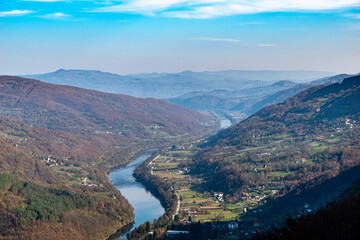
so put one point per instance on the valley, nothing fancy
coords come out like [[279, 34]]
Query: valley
[[238, 173], [179, 120], [60, 142], [273, 169]]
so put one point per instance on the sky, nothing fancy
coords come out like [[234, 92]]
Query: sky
[[138, 36]]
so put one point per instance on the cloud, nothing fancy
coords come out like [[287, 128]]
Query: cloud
[[45, 0], [15, 13], [57, 15], [203, 9], [217, 39], [351, 15], [266, 45], [249, 23]]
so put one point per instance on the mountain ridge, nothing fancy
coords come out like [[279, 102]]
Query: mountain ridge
[[167, 85], [311, 125]]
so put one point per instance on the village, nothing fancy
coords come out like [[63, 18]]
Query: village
[[195, 204], [234, 216]]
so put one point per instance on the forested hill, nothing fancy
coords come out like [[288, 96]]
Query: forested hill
[[309, 135], [314, 104], [336, 220], [42, 195], [76, 110]]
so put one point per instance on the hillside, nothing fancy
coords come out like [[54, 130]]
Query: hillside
[[41, 191], [312, 134], [238, 104], [75, 110], [336, 220], [282, 95], [170, 85], [222, 101]]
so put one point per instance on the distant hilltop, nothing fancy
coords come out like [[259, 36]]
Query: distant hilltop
[[168, 85]]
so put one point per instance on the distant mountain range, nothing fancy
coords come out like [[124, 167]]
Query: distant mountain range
[[249, 100], [170, 85], [222, 101]]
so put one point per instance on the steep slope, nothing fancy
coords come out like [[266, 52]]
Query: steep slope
[[282, 95], [222, 101], [42, 201], [336, 220], [244, 102], [75, 110], [309, 135]]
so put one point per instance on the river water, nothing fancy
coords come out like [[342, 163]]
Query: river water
[[147, 207]]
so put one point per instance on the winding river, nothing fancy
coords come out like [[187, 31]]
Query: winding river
[[147, 207]]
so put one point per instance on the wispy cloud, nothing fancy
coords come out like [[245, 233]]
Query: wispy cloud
[[216, 39], [269, 45], [46, 0], [352, 15], [203, 9], [249, 23], [57, 15], [15, 13]]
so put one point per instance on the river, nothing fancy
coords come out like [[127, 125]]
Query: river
[[147, 207]]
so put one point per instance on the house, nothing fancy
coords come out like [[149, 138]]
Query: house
[[256, 224], [174, 234], [233, 225], [207, 203], [320, 138], [303, 160], [218, 194], [246, 195], [194, 209]]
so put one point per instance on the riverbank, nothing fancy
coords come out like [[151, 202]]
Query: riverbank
[[162, 190], [146, 206], [157, 186]]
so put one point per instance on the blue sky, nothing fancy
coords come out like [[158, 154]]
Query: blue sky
[[135, 36]]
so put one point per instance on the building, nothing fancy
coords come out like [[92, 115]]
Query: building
[[174, 234], [233, 225]]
